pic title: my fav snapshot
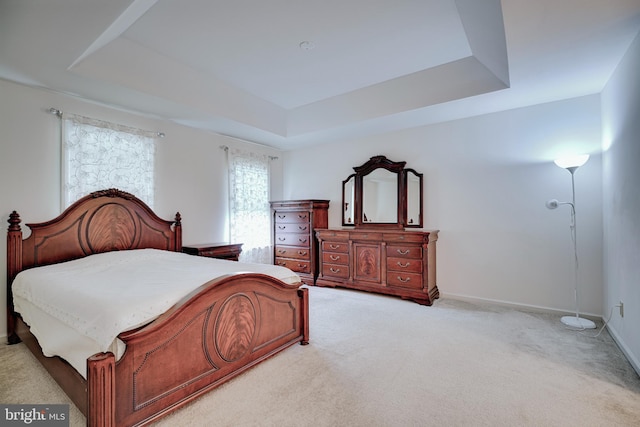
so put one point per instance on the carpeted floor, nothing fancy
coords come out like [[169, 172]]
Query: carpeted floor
[[381, 361]]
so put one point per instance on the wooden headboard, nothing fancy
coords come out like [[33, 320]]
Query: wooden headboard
[[103, 221]]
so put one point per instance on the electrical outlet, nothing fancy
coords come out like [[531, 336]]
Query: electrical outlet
[[621, 309]]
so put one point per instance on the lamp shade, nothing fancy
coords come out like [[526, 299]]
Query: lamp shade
[[572, 161]]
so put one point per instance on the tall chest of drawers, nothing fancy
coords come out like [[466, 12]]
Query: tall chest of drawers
[[398, 262], [295, 243]]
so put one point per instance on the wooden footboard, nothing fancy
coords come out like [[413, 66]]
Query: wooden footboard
[[218, 332], [225, 328]]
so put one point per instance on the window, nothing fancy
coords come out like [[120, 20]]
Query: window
[[99, 155], [249, 209]]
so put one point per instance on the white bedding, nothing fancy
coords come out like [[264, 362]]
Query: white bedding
[[94, 299]]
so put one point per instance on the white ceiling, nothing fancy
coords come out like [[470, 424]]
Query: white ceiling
[[370, 66]]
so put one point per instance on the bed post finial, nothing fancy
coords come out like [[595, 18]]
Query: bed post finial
[[177, 227], [14, 266], [14, 221]]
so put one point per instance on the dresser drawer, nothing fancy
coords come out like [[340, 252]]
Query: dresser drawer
[[333, 235], [291, 252], [292, 217], [335, 258], [407, 237], [341, 247], [404, 251], [409, 265], [292, 227], [335, 270], [293, 239], [366, 236], [299, 266], [404, 280]]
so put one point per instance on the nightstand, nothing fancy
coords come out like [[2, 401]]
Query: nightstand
[[222, 250]]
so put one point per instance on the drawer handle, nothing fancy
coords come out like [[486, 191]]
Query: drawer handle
[[282, 239], [282, 216], [302, 227], [282, 263], [401, 252], [282, 251], [302, 240], [302, 216], [404, 280], [302, 252], [334, 270], [302, 265], [334, 257], [403, 265], [282, 227], [334, 246]]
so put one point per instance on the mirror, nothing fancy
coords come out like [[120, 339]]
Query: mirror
[[348, 200], [379, 196], [382, 193], [414, 198]]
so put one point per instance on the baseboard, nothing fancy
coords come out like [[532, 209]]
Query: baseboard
[[633, 360], [520, 306]]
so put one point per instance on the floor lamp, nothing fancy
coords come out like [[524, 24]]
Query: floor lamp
[[572, 164]]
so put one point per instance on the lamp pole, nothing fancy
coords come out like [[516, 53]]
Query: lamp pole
[[577, 321]]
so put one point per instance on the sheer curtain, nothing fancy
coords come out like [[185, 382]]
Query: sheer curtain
[[249, 209], [99, 155]]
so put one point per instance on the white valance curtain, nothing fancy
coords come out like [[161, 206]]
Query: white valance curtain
[[249, 209], [99, 155]]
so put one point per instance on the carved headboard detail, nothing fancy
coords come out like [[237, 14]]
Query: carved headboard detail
[[103, 221]]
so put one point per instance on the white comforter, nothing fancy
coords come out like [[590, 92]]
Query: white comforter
[[96, 298]]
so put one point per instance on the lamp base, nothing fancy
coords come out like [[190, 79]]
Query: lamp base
[[578, 322]]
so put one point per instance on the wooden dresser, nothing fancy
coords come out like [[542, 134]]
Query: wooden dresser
[[393, 262], [295, 244]]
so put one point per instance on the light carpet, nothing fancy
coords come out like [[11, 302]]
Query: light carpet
[[376, 360]]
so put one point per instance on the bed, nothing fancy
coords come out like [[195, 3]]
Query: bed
[[217, 330]]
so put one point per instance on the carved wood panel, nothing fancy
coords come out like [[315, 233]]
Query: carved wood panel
[[367, 262]]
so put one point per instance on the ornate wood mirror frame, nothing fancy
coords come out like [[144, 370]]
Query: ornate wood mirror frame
[[382, 193]]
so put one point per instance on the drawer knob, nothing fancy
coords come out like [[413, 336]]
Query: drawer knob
[[405, 252]]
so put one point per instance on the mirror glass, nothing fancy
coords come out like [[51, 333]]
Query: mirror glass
[[414, 199], [348, 200], [380, 197]]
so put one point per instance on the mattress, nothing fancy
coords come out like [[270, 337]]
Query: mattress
[[78, 308]]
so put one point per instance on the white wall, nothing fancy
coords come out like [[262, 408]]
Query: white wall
[[486, 182], [621, 175], [191, 168]]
